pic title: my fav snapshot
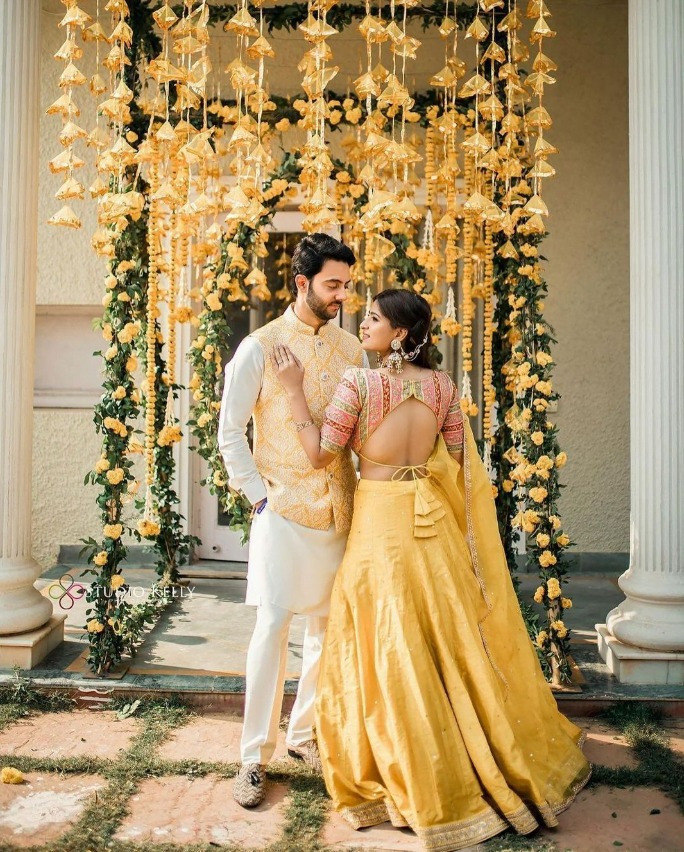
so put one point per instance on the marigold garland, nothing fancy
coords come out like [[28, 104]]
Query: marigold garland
[[499, 223]]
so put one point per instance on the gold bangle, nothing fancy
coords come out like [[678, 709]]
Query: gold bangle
[[303, 425]]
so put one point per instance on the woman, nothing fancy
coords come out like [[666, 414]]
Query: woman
[[432, 709]]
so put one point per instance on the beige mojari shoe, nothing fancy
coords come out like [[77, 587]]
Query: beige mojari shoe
[[308, 752], [248, 788]]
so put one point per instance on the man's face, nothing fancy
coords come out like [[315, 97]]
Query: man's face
[[328, 289]]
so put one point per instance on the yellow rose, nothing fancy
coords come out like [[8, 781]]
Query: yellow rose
[[543, 540], [113, 530], [110, 282], [131, 364], [538, 494], [544, 463], [119, 393], [115, 476], [553, 589], [508, 485], [542, 638], [559, 628], [95, 626], [555, 521], [563, 540], [214, 302], [100, 558], [283, 125], [539, 594], [117, 581], [183, 313], [111, 353], [218, 479], [543, 359], [545, 388], [107, 331], [148, 529], [537, 438], [204, 420], [169, 435], [106, 300], [123, 297], [561, 459], [566, 603], [101, 466], [547, 559]]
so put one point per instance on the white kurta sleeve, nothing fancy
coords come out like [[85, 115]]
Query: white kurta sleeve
[[243, 378]]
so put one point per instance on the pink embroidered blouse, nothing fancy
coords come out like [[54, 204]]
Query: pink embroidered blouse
[[364, 398]]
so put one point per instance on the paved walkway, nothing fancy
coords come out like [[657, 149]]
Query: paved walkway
[[99, 782]]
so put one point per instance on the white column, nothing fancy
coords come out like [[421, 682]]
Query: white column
[[22, 607], [652, 616]]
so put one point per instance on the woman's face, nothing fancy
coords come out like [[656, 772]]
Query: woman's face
[[376, 332]]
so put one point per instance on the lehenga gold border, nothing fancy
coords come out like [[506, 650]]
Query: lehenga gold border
[[457, 835]]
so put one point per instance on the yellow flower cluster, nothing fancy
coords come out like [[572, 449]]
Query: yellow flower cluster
[[450, 326], [169, 435], [112, 531], [553, 588], [542, 638], [116, 426], [10, 775], [115, 476], [101, 465], [559, 629], [546, 559], [117, 581], [95, 626], [148, 529]]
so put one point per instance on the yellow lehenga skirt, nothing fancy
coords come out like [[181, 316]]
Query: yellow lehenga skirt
[[432, 709]]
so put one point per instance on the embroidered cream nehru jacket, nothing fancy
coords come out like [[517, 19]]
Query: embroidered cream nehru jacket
[[279, 467]]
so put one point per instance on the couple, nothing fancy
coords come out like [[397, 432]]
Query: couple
[[425, 693]]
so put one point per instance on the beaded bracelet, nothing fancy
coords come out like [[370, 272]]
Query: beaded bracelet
[[304, 425]]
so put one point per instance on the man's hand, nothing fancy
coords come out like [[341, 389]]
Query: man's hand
[[288, 368]]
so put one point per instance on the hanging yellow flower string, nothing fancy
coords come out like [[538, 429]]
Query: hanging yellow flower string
[[467, 307], [148, 526]]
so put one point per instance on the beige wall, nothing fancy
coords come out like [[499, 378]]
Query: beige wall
[[588, 266], [588, 277]]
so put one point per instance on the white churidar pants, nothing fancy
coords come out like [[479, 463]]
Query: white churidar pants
[[265, 675]]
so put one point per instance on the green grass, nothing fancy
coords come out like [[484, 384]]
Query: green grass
[[658, 766]]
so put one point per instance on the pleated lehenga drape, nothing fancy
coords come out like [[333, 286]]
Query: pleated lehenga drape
[[432, 709]]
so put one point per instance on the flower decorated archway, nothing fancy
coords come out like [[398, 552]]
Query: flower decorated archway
[[440, 191]]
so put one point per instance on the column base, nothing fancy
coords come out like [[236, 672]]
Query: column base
[[639, 665], [26, 650]]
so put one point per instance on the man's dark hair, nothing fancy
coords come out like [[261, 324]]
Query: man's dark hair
[[312, 252]]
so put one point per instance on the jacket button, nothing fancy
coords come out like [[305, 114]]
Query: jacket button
[[330, 476], [325, 377]]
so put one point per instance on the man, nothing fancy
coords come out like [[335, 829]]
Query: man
[[301, 516]]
